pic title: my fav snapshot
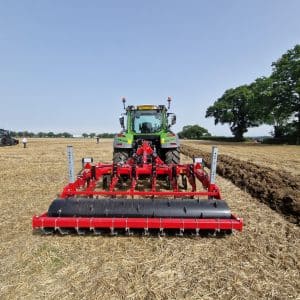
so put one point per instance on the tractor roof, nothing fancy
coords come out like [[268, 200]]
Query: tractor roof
[[146, 107]]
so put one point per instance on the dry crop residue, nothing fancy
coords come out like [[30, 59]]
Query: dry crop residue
[[262, 262]]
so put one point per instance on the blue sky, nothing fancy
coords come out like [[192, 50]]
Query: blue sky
[[64, 65]]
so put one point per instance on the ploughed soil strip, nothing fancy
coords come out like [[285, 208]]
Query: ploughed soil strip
[[279, 190]]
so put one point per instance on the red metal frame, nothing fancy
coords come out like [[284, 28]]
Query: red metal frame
[[87, 185], [44, 221]]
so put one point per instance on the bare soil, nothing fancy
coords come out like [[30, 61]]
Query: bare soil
[[262, 262], [280, 190]]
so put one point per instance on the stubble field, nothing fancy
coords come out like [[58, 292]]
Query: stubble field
[[262, 262]]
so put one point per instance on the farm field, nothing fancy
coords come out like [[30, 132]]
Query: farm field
[[262, 262], [278, 157], [275, 187]]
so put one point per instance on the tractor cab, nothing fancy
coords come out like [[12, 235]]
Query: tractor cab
[[147, 119]]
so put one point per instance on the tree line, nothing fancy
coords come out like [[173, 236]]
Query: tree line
[[99, 135], [272, 100], [51, 134]]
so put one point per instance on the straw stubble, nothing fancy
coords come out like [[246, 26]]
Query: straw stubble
[[261, 262]]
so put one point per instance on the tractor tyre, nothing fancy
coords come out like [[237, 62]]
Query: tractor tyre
[[120, 156], [172, 156], [3, 141]]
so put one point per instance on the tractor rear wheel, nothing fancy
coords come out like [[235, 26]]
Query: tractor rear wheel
[[120, 156], [172, 156]]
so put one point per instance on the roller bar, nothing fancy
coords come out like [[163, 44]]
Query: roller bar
[[44, 221], [140, 208]]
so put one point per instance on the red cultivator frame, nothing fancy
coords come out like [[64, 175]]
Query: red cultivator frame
[[142, 194]]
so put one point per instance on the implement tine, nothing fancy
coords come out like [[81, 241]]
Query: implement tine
[[63, 231], [96, 231], [47, 231], [113, 232], [146, 232], [180, 233], [128, 231], [161, 232]]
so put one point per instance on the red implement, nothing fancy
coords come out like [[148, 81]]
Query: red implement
[[142, 193]]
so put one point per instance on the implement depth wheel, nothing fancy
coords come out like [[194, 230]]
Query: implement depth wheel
[[172, 156]]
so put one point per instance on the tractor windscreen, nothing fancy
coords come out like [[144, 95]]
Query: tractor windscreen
[[146, 121]]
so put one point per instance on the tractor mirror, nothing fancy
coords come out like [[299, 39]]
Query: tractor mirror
[[121, 119], [173, 120]]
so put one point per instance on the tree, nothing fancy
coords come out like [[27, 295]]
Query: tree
[[286, 86], [41, 134], [268, 111], [85, 135], [92, 135], [237, 108], [50, 134], [193, 132], [67, 135]]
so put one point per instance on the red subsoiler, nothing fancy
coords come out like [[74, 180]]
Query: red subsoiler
[[141, 195]]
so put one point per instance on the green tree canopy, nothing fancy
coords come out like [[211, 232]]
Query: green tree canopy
[[238, 108], [193, 132], [51, 134], [41, 134], [286, 85], [268, 112], [67, 135], [273, 100]]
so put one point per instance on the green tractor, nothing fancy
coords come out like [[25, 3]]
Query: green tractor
[[151, 123]]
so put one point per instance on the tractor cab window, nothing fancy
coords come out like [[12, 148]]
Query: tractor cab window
[[146, 121]]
